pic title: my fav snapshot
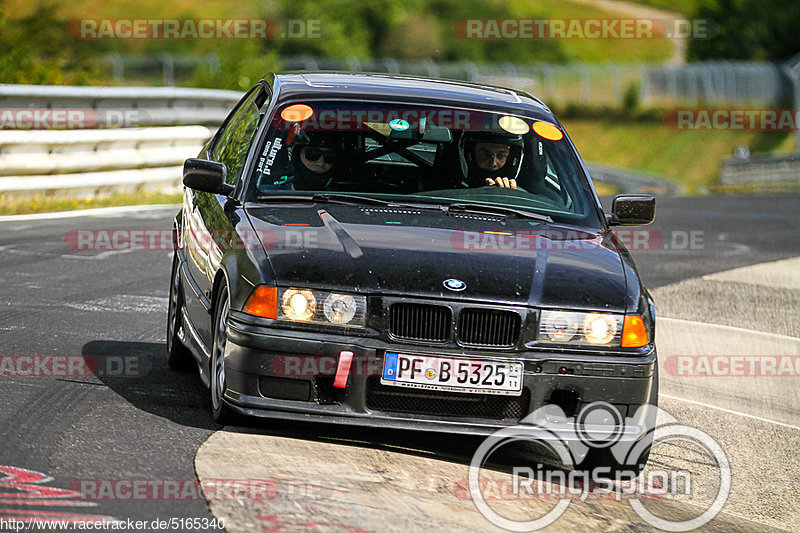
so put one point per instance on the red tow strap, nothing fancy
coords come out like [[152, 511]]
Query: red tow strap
[[343, 370]]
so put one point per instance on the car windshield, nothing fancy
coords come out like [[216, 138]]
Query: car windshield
[[417, 154]]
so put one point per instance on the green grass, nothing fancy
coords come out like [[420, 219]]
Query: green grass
[[690, 157], [651, 51], [45, 204]]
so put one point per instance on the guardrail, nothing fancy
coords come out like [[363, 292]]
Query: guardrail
[[632, 181], [126, 106], [140, 152], [761, 171], [91, 162]]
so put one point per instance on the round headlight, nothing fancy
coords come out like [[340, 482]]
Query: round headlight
[[599, 329], [339, 308], [559, 328], [298, 304]]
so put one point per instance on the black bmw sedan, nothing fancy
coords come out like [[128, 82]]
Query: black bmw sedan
[[406, 253]]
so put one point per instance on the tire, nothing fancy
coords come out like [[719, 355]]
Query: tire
[[223, 415], [178, 355]]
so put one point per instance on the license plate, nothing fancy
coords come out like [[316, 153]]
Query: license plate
[[451, 374]]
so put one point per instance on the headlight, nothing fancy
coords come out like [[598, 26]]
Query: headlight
[[340, 308], [298, 304], [322, 307], [599, 329], [587, 329]]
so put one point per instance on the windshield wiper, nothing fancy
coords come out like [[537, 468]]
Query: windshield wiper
[[495, 210], [349, 199], [356, 199], [336, 198]]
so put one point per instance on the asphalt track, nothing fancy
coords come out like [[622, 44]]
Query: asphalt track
[[137, 420]]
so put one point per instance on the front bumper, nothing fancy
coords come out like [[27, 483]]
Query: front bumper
[[288, 374]]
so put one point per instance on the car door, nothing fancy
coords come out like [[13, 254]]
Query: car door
[[211, 218]]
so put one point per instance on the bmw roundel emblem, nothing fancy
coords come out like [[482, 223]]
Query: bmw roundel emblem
[[455, 284]]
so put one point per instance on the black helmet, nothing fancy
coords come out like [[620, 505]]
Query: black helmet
[[304, 178], [475, 176], [299, 138]]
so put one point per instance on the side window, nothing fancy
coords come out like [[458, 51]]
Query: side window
[[234, 141]]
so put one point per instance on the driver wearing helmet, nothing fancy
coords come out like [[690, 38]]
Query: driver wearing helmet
[[491, 159]]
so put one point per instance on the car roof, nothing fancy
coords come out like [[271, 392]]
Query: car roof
[[433, 91]]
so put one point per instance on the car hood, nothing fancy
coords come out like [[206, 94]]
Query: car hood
[[409, 252]]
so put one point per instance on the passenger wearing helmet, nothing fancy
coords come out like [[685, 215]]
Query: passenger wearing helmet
[[313, 161], [491, 159]]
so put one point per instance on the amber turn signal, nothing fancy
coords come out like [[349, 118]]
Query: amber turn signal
[[634, 334], [263, 302]]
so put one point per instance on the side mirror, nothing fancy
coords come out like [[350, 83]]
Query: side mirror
[[206, 176], [632, 209]]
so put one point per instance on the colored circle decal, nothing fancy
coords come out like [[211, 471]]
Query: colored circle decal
[[296, 113], [514, 125], [548, 131], [398, 124]]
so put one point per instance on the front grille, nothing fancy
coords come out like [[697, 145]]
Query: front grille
[[420, 321], [405, 400], [488, 327]]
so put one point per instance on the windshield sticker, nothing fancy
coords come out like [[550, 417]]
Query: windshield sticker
[[297, 113], [548, 131], [267, 158], [399, 124], [514, 125]]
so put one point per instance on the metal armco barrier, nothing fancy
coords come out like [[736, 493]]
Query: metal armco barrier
[[90, 162], [134, 106], [761, 170], [83, 141]]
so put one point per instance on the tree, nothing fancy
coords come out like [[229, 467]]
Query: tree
[[748, 30]]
